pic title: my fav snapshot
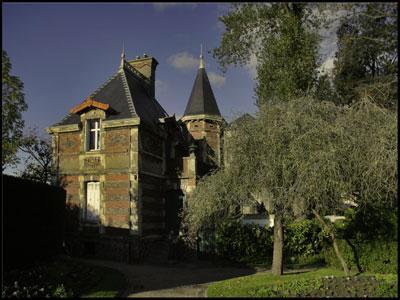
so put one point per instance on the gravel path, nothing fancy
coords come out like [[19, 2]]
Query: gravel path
[[177, 280]]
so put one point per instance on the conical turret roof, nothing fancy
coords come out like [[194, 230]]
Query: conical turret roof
[[202, 100]]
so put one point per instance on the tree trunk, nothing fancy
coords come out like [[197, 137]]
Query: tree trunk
[[277, 260], [334, 241]]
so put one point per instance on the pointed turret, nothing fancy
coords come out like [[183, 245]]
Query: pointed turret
[[202, 100], [121, 66], [201, 58], [204, 121]]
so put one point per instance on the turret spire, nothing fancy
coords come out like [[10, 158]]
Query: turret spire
[[201, 57], [122, 56], [202, 100]]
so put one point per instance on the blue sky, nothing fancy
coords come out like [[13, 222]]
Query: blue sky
[[63, 52]]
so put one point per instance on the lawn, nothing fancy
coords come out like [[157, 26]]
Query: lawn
[[63, 277], [324, 282]]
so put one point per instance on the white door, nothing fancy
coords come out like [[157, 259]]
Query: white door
[[93, 201]]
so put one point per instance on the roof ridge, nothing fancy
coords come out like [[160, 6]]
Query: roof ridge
[[160, 106], [142, 80], [137, 73], [127, 92]]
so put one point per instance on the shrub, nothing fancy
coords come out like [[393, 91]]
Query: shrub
[[251, 243], [304, 239], [369, 223], [370, 256], [247, 243]]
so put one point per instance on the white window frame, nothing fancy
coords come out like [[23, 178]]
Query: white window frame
[[97, 134]]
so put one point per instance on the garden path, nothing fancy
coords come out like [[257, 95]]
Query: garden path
[[171, 280]]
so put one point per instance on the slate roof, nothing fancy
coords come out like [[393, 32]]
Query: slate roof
[[202, 100], [127, 95]]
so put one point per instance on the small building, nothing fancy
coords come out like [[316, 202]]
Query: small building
[[128, 166]]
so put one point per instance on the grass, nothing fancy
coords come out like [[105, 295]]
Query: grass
[[110, 284], [63, 278], [323, 282]]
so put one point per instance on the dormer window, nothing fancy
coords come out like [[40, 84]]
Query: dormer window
[[93, 134]]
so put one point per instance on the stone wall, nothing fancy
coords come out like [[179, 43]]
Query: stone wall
[[117, 200], [151, 183], [152, 205], [210, 151], [114, 166]]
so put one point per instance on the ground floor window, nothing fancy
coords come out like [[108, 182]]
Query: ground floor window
[[92, 207]]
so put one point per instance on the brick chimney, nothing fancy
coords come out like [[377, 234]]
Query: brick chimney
[[146, 65]]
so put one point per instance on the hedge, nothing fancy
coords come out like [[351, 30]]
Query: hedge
[[370, 256]]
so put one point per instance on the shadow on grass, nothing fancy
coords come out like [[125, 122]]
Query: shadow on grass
[[63, 277], [153, 277]]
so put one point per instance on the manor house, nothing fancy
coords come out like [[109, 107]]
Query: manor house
[[128, 166]]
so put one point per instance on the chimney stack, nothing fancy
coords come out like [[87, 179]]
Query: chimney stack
[[146, 65]]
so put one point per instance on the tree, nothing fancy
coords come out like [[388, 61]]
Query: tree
[[215, 199], [324, 90], [366, 59], [13, 104], [282, 38], [39, 162], [301, 157]]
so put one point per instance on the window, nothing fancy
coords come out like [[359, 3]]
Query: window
[[92, 207], [93, 134]]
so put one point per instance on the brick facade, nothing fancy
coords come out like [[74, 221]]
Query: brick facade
[[146, 161]]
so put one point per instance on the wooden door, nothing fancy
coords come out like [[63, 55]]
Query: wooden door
[[93, 201]]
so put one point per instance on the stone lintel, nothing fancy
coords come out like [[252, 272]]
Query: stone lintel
[[63, 128], [120, 123]]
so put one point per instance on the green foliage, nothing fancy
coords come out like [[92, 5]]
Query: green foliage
[[245, 243], [389, 286], [370, 256], [288, 156], [282, 38], [246, 285], [324, 90], [369, 223], [215, 199], [304, 238], [251, 243], [366, 60], [368, 154], [320, 283], [302, 155], [13, 104], [60, 292]]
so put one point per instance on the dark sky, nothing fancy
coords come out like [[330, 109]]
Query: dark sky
[[63, 52]]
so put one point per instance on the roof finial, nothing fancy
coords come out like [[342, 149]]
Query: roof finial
[[122, 56], [201, 57]]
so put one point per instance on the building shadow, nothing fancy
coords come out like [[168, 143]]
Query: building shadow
[[154, 277]]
